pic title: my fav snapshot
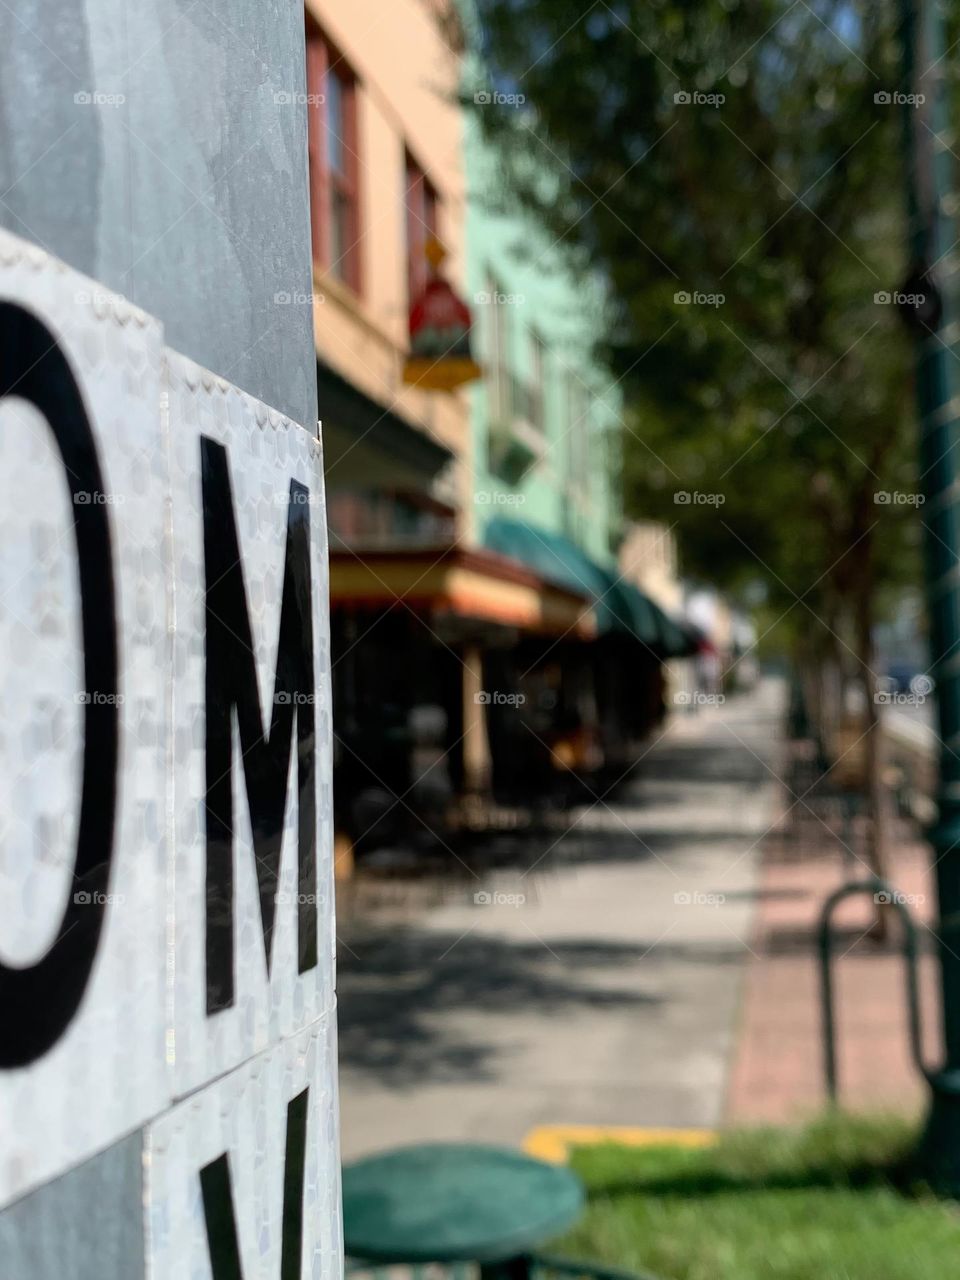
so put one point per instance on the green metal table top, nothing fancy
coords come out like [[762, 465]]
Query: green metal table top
[[454, 1202]]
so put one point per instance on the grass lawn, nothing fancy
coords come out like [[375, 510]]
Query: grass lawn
[[817, 1203]]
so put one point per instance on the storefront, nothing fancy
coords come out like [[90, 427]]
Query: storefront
[[425, 644], [587, 703]]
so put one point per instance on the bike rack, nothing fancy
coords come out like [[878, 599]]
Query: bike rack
[[873, 886]]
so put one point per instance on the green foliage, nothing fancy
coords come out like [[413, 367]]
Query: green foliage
[[789, 402], [818, 1203]]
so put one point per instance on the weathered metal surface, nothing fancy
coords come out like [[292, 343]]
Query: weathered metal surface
[[161, 148], [87, 1225], [266, 1137]]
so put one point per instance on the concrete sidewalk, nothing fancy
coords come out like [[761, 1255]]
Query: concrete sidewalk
[[598, 983]]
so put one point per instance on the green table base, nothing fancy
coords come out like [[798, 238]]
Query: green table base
[[455, 1202]]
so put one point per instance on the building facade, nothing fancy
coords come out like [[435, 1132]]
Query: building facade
[[483, 642], [386, 171], [649, 557], [546, 416], [547, 423], [415, 598]]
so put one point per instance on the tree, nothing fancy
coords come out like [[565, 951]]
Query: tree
[[734, 170]]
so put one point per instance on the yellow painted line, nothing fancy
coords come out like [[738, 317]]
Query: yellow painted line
[[552, 1142]]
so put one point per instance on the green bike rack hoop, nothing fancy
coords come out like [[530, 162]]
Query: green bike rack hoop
[[875, 887]]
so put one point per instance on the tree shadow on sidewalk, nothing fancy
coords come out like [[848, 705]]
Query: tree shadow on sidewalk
[[400, 995], [695, 762]]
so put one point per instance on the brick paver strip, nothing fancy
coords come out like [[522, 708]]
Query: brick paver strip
[[777, 1072]]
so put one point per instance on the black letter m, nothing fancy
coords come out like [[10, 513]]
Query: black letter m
[[231, 688]]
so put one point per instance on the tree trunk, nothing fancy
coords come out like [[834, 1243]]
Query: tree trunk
[[832, 680], [875, 795]]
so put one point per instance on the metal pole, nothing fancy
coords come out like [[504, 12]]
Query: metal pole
[[928, 173]]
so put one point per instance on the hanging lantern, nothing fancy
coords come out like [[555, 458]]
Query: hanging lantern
[[440, 358]]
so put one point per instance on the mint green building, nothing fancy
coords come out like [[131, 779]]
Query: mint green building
[[546, 418], [546, 449]]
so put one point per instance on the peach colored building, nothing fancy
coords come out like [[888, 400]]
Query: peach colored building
[[386, 159], [648, 558]]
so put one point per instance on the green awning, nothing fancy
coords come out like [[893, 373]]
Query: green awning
[[629, 610], [675, 639], [550, 555], [618, 605]]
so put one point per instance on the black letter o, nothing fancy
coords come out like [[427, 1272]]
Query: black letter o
[[38, 1002]]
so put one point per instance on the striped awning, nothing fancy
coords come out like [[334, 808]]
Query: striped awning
[[473, 584]]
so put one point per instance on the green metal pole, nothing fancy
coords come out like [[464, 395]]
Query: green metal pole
[[929, 177]]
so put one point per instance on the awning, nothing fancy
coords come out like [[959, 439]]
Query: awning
[[633, 612], [344, 406], [551, 555], [618, 605], [472, 584], [675, 639]]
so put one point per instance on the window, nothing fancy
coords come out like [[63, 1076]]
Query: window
[[538, 360], [578, 433], [422, 223], [498, 352], [334, 164]]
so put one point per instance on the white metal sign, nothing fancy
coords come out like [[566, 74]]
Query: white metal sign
[[252, 728], [243, 1179], [166, 916]]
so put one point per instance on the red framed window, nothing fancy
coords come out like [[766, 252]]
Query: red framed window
[[334, 160], [422, 207]]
